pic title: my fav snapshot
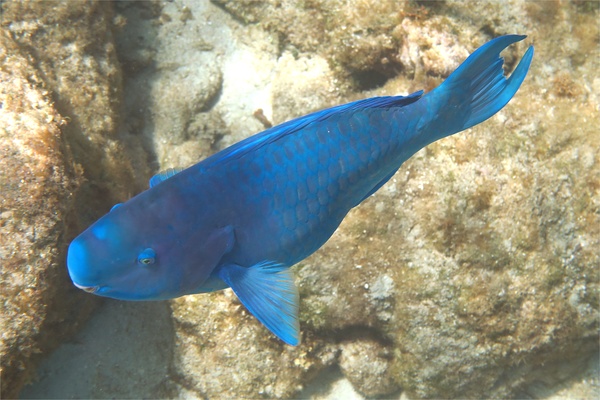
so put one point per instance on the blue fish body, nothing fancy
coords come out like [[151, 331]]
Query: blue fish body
[[243, 216]]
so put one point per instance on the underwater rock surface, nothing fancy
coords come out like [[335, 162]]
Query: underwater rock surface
[[473, 273], [37, 184], [61, 165]]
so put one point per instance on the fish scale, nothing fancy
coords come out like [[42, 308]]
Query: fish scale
[[320, 173], [243, 216]]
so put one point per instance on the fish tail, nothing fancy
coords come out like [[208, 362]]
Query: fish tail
[[474, 92]]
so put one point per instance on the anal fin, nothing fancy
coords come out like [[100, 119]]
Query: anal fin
[[268, 291], [378, 186]]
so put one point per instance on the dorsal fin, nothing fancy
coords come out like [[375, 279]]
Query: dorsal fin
[[290, 127], [164, 175]]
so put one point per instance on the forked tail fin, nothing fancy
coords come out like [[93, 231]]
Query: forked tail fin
[[482, 77]]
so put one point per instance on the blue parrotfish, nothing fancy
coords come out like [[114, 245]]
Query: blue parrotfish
[[243, 216]]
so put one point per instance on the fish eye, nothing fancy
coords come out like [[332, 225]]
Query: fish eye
[[147, 257]]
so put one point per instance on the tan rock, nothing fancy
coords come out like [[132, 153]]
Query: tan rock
[[61, 166]]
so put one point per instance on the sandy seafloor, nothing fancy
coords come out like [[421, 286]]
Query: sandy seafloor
[[139, 359], [84, 368], [137, 334]]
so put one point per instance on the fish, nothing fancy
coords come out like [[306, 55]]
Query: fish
[[242, 217]]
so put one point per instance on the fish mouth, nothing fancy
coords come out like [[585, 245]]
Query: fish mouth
[[88, 289]]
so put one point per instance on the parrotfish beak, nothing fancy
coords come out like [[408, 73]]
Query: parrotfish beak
[[89, 289]]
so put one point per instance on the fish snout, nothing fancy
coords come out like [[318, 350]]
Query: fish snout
[[79, 267]]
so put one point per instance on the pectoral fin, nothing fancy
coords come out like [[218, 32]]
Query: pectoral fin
[[268, 291]]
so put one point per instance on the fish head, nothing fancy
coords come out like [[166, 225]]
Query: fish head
[[135, 253]]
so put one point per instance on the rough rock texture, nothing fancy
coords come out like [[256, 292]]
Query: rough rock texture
[[61, 166], [37, 183], [239, 359], [73, 48], [366, 42], [366, 364], [302, 83]]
